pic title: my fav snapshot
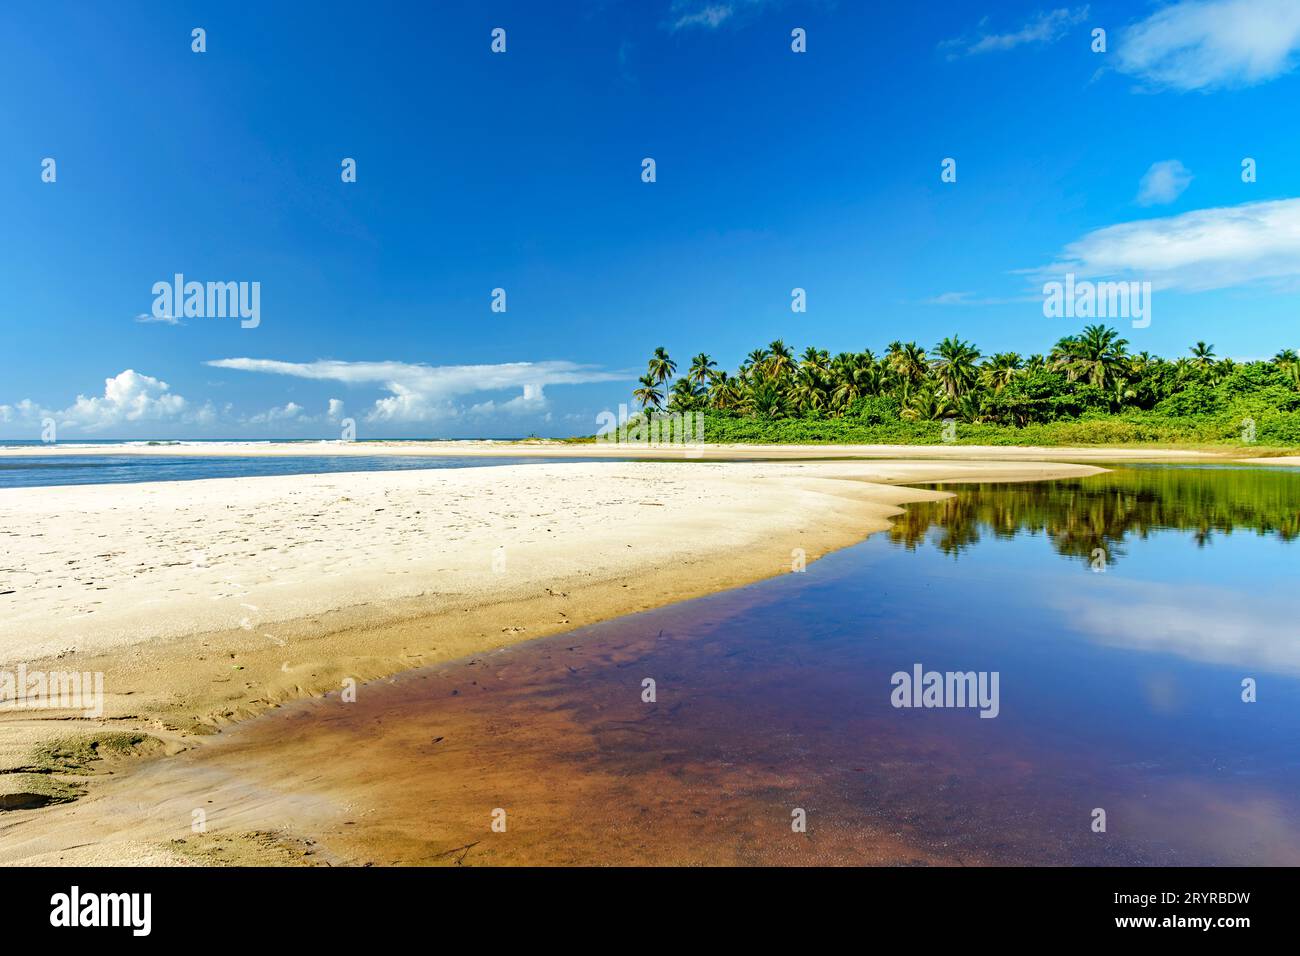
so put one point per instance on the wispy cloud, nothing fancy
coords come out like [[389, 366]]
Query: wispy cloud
[[164, 319], [1212, 44], [711, 14], [1227, 626], [1042, 29], [419, 393], [970, 299], [288, 412], [1163, 183], [1198, 250]]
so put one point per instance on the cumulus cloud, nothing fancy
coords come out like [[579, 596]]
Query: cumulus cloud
[[421, 393], [1212, 44], [1042, 29], [1163, 183], [335, 409], [1203, 249], [128, 397]]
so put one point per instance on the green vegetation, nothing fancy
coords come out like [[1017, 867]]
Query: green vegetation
[[76, 754], [39, 779], [1088, 390]]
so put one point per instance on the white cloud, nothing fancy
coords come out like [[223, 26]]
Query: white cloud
[[1163, 183], [710, 15], [420, 393], [24, 411], [336, 409], [164, 319], [1212, 44], [1042, 29], [284, 413], [131, 398], [1226, 626], [128, 397], [529, 403], [970, 298], [1194, 251]]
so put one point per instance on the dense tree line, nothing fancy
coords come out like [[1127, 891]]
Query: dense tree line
[[1085, 376]]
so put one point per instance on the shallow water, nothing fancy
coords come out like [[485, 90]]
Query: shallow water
[[23, 471], [1121, 613]]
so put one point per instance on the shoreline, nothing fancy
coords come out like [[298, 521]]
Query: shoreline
[[555, 448], [171, 679]]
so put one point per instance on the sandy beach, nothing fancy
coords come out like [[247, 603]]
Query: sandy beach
[[204, 602]]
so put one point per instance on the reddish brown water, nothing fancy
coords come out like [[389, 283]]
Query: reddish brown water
[[777, 697]]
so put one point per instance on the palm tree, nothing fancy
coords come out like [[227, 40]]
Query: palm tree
[[1000, 370], [684, 396], [853, 376], [1289, 362], [908, 363], [952, 380], [725, 392], [1202, 356], [701, 367], [648, 395], [1098, 355], [807, 393], [754, 363], [767, 400], [954, 368], [662, 367], [781, 360]]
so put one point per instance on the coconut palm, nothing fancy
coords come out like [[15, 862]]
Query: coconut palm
[[767, 399], [662, 368], [701, 369], [648, 394], [1289, 362], [999, 371], [754, 364], [1097, 355], [1202, 356], [685, 396], [725, 392], [954, 365], [781, 359], [908, 364], [807, 393]]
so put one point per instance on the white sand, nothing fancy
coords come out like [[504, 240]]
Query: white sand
[[96, 567]]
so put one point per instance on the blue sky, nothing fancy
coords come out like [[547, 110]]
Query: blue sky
[[522, 171]]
